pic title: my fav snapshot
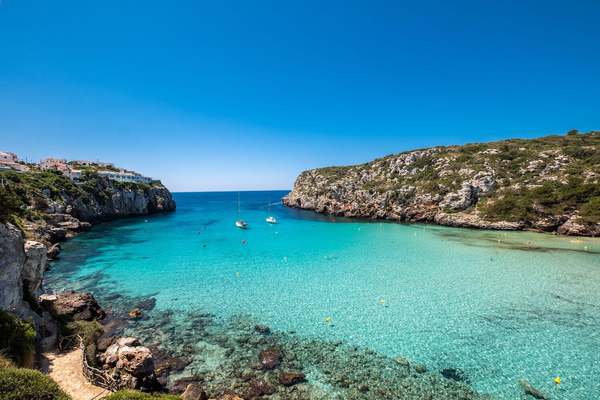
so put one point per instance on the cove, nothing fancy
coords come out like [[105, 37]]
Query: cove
[[499, 306]]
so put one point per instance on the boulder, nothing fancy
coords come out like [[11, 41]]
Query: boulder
[[194, 392], [290, 378], [259, 388], [53, 251], [530, 390], [270, 358], [420, 368], [35, 265], [262, 329], [130, 364], [454, 374], [73, 306]]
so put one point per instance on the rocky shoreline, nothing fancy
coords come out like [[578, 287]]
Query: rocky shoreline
[[31, 238], [548, 184]]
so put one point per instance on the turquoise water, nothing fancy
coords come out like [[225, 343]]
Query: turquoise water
[[500, 306]]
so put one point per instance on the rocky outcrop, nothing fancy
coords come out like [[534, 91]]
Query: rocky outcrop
[[118, 202], [35, 265], [547, 184], [72, 306], [130, 364], [12, 260]]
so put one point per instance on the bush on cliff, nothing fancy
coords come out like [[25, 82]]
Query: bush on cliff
[[133, 395], [27, 384], [10, 203], [17, 338]]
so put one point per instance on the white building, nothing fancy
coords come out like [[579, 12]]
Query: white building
[[55, 163], [10, 161], [125, 176]]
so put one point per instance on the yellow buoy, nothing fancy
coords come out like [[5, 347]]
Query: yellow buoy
[[382, 301], [328, 320], [557, 380]]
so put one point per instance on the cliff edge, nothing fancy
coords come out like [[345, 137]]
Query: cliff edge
[[549, 184]]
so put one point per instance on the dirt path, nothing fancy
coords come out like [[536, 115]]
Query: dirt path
[[65, 369]]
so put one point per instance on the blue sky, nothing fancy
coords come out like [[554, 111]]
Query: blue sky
[[226, 95]]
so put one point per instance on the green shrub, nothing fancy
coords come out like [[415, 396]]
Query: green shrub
[[134, 395], [27, 384], [17, 338], [10, 203]]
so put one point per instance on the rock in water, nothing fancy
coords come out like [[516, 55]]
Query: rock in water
[[531, 391], [73, 306], [262, 329], [130, 364], [270, 358], [259, 388], [420, 368], [455, 374], [194, 392], [290, 378]]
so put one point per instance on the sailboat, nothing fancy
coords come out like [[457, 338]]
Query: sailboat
[[270, 219], [240, 223]]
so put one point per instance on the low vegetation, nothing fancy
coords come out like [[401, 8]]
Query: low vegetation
[[134, 395], [17, 339], [28, 384]]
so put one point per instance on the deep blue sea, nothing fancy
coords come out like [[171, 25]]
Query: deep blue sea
[[501, 306]]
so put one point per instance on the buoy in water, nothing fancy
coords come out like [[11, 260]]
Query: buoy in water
[[328, 320], [557, 380], [382, 301], [243, 241]]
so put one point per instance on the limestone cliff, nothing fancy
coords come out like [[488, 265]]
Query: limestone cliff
[[40, 209], [548, 184]]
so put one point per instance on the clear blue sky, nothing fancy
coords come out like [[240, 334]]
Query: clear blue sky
[[244, 95]]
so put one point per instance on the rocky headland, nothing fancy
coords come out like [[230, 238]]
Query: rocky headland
[[548, 184], [38, 211]]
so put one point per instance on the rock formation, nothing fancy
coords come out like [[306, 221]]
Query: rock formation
[[548, 184]]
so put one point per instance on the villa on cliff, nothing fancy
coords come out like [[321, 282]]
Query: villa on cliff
[[73, 169], [11, 161]]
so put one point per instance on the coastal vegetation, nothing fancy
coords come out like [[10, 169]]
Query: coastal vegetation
[[23, 383], [17, 340], [550, 183]]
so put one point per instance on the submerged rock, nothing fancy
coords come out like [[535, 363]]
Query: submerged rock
[[290, 378], [262, 329], [136, 313], [530, 390], [270, 358], [258, 388], [454, 374], [420, 368]]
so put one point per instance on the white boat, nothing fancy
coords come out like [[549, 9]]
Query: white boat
[[270, 219], [240, 223]]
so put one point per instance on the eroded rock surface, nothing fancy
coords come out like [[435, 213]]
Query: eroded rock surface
[[548, 184]]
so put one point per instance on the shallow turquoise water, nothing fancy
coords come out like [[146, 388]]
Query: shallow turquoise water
[[500, 306]]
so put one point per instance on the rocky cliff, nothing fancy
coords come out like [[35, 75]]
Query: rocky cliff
[[547, 184], [40, 209]]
